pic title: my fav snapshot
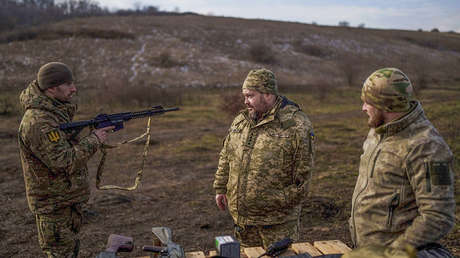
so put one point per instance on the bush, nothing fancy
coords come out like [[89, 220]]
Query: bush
[[9, 105], [165, 60], [231, 102], [310, 49], [46, 34], [261, 53], [344, 24], [117, 91], [351, 65]]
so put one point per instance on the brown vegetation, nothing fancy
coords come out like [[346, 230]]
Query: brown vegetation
[[199, 63]]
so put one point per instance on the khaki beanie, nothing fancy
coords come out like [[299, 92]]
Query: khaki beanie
[[53, 74], [261, 80], [388, 89]]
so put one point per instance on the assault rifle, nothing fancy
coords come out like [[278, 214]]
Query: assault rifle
[[117, 243], [117, 120]]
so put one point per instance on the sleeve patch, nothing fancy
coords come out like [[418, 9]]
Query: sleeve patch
[[53, 136], [439, 173]]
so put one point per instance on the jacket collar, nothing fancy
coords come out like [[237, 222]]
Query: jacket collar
[[33, 98], [403, 122]]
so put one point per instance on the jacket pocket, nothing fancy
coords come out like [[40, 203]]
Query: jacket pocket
[[394, 203]]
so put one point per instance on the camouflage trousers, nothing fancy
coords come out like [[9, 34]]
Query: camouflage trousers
[[58, 232], [264, 235]]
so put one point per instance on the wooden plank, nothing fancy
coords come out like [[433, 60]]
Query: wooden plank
[[301, 248], [332, 247], [212, 253], [254, 252], [198, 254], [288, 252]]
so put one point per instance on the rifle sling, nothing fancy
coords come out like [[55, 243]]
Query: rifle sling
[[104, 148]]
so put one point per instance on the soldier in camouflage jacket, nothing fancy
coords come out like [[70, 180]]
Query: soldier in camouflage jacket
[[265, 164], [54, 165], [404, 194]]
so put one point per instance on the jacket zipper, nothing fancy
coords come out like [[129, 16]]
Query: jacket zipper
[[362, 190], [246, 159]]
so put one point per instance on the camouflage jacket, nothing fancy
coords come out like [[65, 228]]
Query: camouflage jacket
[[54, 165], [265, 168], [404, 193]]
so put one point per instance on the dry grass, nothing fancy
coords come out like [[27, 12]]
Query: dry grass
[[199, 63], [198, 51], [177, 184]]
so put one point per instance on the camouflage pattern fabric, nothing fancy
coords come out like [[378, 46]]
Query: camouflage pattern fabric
[[388, 89], [377, 251], [58, 232], [404, 194], [54, 165], [265, 168], [261, 80], [250, 236]]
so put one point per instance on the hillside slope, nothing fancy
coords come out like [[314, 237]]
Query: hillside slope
[[196, 51]]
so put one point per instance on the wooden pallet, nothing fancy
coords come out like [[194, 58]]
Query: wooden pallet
[[318, 248]]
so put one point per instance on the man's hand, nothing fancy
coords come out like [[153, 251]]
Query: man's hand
[[221, 201], [101, 133]]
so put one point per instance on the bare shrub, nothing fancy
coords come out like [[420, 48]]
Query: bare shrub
[[119, 92], [344, 24], [310, 49], [147, 95], [351, 66], [9, 105], [321, 89], [165, 60], [432, 43], [261, 53], [47, 34], [421, 74], [231, 102]]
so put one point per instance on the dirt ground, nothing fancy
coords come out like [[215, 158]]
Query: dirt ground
[[176, 189]]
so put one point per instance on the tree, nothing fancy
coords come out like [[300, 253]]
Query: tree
[[344, 24]]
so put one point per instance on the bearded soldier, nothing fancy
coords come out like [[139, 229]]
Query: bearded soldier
[[404, 194], [54, 164], [265, 164]]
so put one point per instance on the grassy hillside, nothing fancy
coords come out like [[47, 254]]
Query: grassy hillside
[[207, 51], [198, 63]]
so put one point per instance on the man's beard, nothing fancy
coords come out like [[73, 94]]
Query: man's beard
[[376, 119], [257, 114]]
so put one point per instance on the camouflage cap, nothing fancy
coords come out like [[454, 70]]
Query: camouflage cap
[[53, 74], [261, 80], [388, 89]]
